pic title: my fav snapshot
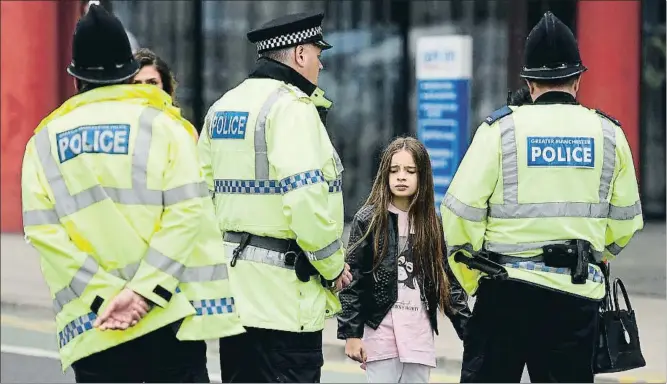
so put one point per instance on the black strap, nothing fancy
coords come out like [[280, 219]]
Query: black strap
[[270, 243], [97, 303], [505, 259]]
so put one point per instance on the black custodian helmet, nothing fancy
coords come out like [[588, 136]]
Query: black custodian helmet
[[551, 51], [101, 51]]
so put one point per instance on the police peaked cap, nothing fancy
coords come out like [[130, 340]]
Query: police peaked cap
[[551, 51], [289, 31], [101, 51]]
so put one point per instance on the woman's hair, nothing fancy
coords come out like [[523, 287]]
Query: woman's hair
[[147, 57], [519, 97], [428, 247]]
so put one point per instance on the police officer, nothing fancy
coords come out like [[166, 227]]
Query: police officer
[[276, 181], [123, 225], [546, 191]]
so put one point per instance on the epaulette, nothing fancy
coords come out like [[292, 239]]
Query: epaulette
[[599, 112], [296, 91], [498, 114]]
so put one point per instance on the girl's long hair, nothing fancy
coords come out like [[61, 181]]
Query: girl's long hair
[[427, 249]]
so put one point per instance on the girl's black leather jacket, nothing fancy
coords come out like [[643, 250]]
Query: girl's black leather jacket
[[370, 295]]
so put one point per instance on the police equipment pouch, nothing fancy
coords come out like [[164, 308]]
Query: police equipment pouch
[[574, 255], [580, 270], [303, 268]]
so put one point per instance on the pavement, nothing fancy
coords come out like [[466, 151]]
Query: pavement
[[26, 312]]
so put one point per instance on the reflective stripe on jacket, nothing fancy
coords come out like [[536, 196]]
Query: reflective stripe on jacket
[[111, 199], [497, 200]]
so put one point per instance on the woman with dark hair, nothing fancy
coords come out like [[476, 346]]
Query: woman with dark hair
[[155, 71]]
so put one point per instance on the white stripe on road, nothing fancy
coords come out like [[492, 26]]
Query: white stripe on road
[[26, 351]]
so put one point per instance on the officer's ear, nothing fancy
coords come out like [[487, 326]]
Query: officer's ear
[[531, 87], [299, 55], [575, 85]]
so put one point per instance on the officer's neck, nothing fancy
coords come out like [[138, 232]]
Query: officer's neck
[[269, 68], [536, 92]]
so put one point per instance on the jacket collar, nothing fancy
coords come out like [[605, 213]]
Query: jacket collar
[[270, 69], [556, 97], [140, 94]]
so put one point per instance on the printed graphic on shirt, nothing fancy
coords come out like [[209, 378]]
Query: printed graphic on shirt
[[229, 125], [574, 152], [407, 280], [406, 274]]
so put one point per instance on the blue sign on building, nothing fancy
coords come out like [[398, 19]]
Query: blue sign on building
[[444, 67]]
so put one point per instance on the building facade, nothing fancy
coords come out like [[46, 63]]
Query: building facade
[[370, 74]]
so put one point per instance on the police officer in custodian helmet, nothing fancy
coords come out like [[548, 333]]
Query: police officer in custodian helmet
[[128, 242], [545, 195]]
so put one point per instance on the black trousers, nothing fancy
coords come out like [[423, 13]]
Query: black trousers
[[515, 324], [269, 356], [157, 357]]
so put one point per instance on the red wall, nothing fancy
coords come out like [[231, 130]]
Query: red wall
[[35, 40], [609, 34]]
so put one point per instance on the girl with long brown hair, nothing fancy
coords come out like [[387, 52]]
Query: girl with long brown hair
[[401, 277]]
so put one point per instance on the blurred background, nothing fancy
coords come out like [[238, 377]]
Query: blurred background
[[369, 75]]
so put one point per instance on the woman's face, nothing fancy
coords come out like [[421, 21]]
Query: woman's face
[[148, 75]]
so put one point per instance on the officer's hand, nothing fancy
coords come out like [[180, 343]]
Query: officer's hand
[[124, 311], [354, 349], [344, 279]]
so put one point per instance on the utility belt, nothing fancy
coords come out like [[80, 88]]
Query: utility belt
[[573, 254], [289, 253]]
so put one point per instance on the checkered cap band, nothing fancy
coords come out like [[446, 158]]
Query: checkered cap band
[[288, 39]]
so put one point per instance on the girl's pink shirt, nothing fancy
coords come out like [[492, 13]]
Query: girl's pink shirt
[[406, 331]]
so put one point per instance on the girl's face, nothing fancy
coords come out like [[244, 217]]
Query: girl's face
[[148, 75], [403, 174]]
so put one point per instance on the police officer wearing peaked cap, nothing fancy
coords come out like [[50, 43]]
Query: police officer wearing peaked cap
[[105, 267], [288, 31], [532, 247], [277, 185]]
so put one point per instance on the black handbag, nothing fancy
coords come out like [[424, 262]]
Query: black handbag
[[618, 347]]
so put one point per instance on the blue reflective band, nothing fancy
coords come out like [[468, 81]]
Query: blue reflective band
[[335, 185], [111, 139], [576, 152], [75, 328], [213, 306], [269, 186], [229, 125]]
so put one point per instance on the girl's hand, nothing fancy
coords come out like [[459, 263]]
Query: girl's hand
[[354, 349]]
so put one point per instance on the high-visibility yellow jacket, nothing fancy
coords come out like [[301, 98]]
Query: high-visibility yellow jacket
[[273, 171], [540, 174], [113, 198]]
